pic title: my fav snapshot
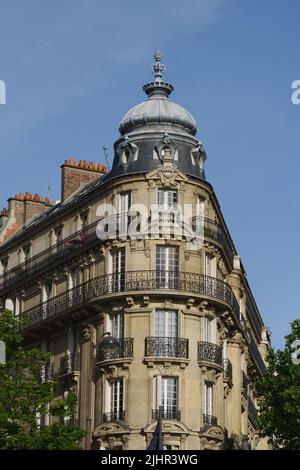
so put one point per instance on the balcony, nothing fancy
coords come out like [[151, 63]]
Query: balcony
[[124, 351], [210, 420], [166, 347], [67, 248], [252, 413], [71, 422], [211, 229], [69, 364], [227, 370], [113, 416], [209, 354], [136, 282], [256, 355], [169, 413]]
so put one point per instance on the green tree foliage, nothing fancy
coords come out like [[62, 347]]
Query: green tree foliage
[[279, 389], [24, 396]]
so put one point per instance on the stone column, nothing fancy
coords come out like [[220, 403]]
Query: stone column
[[85, 418], [99, 377], [234, 353]]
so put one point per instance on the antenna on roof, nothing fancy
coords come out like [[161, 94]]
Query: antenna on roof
[[49, 189], [106, 155]]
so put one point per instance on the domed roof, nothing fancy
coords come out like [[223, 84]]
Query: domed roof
[[158, 109]]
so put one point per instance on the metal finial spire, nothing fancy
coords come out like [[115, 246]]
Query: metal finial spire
[[158, 68], [158, 86]]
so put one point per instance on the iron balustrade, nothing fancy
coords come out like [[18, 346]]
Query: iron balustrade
[[252, 314], [131, 281], [69, 364], [71, 422], [215, 231], [209, 352], [157, 346], [227, 369], [112, 416], [66, 248], [210, 420], [252, 412], [125, 350], [256, 355], [168, 413]]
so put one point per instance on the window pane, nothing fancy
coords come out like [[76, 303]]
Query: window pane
[[169, 396]]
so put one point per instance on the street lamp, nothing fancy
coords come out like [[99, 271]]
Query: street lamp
[[108, 345]]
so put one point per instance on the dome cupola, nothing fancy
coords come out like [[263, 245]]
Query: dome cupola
[[158, 108]]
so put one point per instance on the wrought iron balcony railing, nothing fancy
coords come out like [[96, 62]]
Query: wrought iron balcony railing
[[210, 353], [252, 412], [156, 346], [69, 364], [66, 248], [169, 413], [227, 369], [256, 355], [71, 421], [125, 350], [133, 281], [209, 419], [211, 229], [114, 416]]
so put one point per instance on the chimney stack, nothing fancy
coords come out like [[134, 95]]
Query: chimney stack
[[76, 174], [21, 208]]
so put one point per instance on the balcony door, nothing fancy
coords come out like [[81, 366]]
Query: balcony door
[[208, 399], [124, 211], [118, 270], [210, 266], [117, 325], [167, 266], [167, 396], [167, 200], [166, 333], [116, 400]]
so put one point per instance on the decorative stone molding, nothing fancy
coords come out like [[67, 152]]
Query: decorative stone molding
[[86, 333], [174, 432]]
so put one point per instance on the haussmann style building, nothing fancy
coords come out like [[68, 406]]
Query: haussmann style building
[[133, 284]]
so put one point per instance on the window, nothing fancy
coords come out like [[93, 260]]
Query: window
[[166, 323], [117, 325], [167, 198], [125, 156], [200, 207], [210, 266], [167, 396], [118, 269], [116, 406], [167, 266], [167, 258], [124, 211], [208, 327], [208, 398]]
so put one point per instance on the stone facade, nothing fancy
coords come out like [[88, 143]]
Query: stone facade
[[187, 331]]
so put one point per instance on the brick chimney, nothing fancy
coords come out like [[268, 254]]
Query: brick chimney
[[77, 174], [21, 208], [3, 216]]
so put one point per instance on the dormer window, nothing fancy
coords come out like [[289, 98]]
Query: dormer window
[[125, 156]]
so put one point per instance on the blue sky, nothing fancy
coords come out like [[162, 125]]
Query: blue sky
[[73, 68]]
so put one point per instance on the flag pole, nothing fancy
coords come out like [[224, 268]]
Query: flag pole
[[160, 439]]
